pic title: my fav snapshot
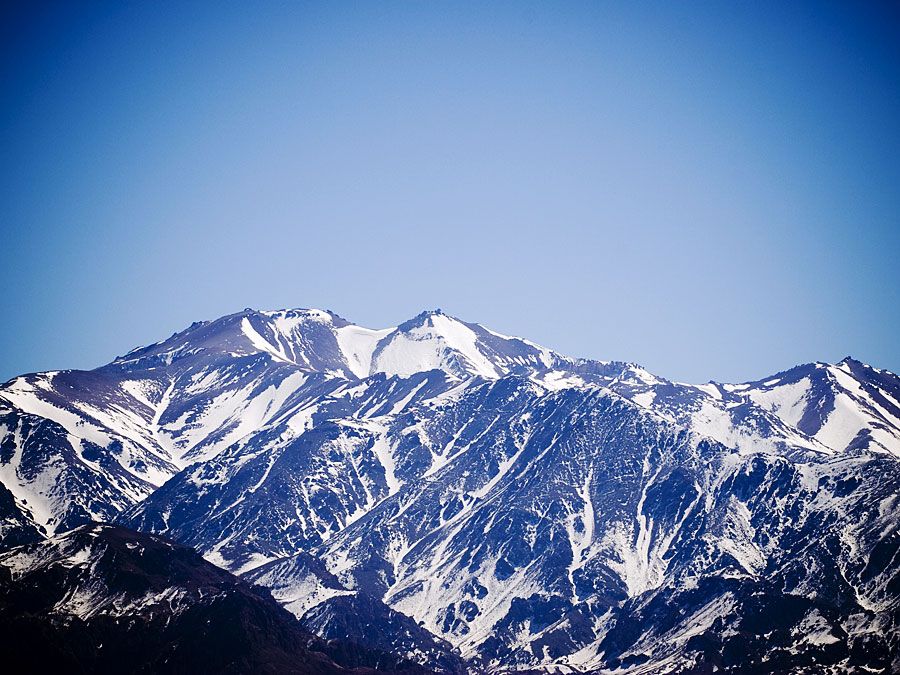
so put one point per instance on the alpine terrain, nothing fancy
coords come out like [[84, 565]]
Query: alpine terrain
[[439, 497]]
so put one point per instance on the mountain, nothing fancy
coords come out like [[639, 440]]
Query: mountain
[[845, 406], [445, 492], [77, 446], [103, 599], [546, 541]]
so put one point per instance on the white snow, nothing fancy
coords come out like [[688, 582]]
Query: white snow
[[843, 423], [559, 379], [709, 389], [814, 629], [502, 469], [737, 538], [645, 398], [581, 540], [382, 449], [400, 405], [788, 401], [357, 344], [240, 411], [433, 346], [262, 344], [298, 590]]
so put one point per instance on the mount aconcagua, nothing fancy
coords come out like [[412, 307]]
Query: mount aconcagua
[[461, 499]]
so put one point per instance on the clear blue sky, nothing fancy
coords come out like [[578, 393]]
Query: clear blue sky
[[709, 189]]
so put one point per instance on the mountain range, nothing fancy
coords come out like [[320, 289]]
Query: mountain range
[[442, 496]]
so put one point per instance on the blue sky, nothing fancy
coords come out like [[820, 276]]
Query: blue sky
[[708, 189]]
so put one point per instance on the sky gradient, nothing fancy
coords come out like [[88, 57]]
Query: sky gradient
[[708, 189]]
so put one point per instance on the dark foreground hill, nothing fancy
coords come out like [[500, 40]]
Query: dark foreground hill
[[102, 599]]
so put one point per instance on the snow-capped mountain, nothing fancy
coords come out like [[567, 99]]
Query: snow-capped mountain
[[484, 497], [845, 406], [76, 445]]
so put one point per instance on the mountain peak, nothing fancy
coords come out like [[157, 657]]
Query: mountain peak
[[425, 317], [306, 313], [433, 340], [850, 361]]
